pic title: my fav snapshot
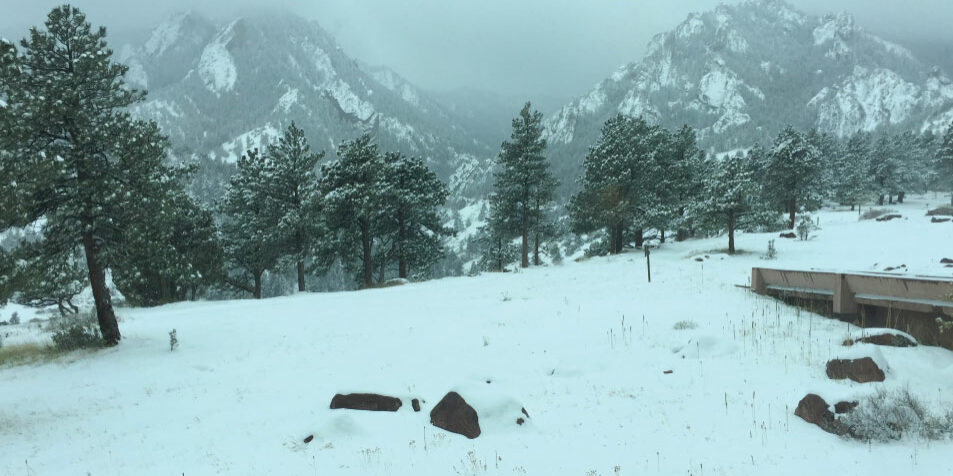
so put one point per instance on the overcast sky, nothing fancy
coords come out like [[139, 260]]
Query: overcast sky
[[552, 47]]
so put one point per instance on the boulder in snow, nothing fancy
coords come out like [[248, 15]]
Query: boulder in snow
[[891, 340], [455, 415], [889, 216], [859, 370], [844, 407], [366, 401], [788, 235], [813, 409]]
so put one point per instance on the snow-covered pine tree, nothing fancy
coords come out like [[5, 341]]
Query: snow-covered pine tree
[[353, 205], [730, 193], [295, 188], [250, 226], [681, 178], [524, 183], [412, 230], [497, 249], [852, 182], [944, 162], [77, 148], [792, 173], [47, 274], [172, 256], [885, 168]]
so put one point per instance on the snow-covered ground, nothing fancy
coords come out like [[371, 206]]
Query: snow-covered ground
[[582, 346]]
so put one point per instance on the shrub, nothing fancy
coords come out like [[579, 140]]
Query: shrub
[[772, 252], [804, 228], [887, 416], [684, 325], [80, 332], [14, 319]]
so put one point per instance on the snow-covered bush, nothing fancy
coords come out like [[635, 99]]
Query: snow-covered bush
[[887, 416], [173, 340], [684, 325], [554, 254], [875, 213], [79, 332], [772, 251], [14, 319]]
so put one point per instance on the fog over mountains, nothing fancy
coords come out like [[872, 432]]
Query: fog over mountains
[[737, 74]]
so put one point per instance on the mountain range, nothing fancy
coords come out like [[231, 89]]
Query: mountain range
[[737, 74]]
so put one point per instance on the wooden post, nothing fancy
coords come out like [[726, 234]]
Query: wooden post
[[648, 264]]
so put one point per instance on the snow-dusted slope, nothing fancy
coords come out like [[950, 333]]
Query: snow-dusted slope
[[583, 347], [739, 73], [218, 90]]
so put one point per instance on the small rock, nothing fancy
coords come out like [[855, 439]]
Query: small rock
[[788, 235], [889, 216], [415, 404], [366, 401], [845, 407], [308, 439], [700, 259], [859, 370], [939, 220], [946, 261], [667, 372], [455, 415], [520, 421], [524, 412]]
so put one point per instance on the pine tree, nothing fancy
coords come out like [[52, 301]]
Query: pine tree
[[730, 194], [252, 239], [524, 185], [885, 169], [853, 184], [412, 197], [944, 162], [353, 204], [69, 146], [792, 173], [497, 249], [294, 186]]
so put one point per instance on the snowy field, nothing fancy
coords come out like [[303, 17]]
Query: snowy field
[[582, 346]]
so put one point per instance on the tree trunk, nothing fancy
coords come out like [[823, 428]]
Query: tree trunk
[[900, 196], [499, 254], [524, 263], [300, 276], [612, 240], [731, 233], [661, 239], [401, 258], [165, 291], [366, 251], [792, 209], [890, 198], [257, 291], [536, 249], [852, 207], [639, 239], [108, 325], [681, 235], [880, 200]]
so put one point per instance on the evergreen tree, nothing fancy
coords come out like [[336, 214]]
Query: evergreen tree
[[497, 249], [295, 188], [69, 147], [524, 183], [792, 173], [412, 229], [172, 256], [622, 187], [354, 205], [730, 194], [944, 162], [884, 169], [252, 239], [46, 274], [853, 184]]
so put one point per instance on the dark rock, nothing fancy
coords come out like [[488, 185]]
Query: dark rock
[[789, 234], [700, 259], [520, 421], [892, 340], [889, 216], [415, 404], [844, 407], [453, 414], [667, 372], [944, 211], [946, 261], [366, 401], [813, 409], [859, 370], [939, 220], [524, 412], [308, 438]]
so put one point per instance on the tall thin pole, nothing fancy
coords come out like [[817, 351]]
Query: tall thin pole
[[648, 263]]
